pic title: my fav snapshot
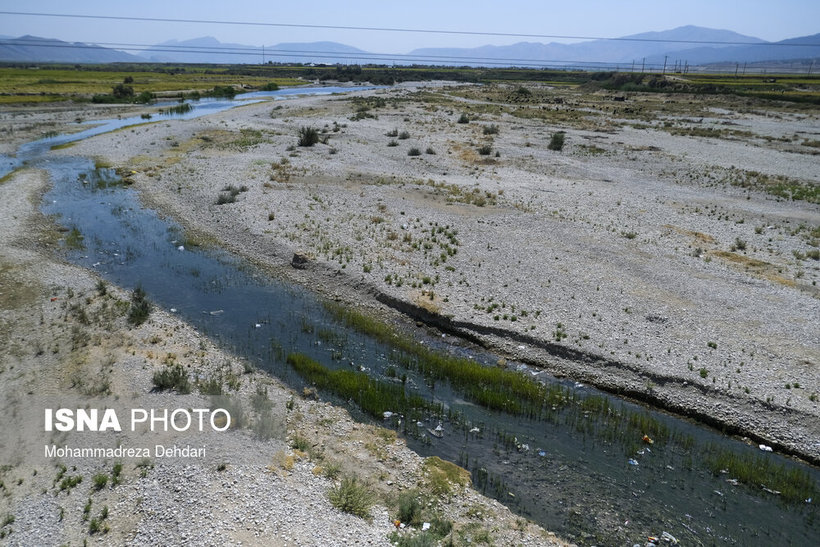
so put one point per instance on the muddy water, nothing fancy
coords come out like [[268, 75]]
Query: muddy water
[[568, 470]]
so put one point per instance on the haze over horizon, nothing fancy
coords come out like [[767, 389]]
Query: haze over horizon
[[448, 23]]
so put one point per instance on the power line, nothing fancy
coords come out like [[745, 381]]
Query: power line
[[391, 29]]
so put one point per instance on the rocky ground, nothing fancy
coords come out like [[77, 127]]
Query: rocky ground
[[652, 255], [67, 343]]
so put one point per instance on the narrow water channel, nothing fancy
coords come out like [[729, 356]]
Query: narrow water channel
[[578, 466]]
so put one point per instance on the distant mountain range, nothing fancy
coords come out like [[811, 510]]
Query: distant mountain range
[[688, 44]]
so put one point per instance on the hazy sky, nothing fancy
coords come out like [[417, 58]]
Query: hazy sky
[[767, 19]]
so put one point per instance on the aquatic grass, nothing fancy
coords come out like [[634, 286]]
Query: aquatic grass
[[792, 484], [373, 396]]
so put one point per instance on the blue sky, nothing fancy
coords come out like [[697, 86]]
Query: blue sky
[[769, 20]]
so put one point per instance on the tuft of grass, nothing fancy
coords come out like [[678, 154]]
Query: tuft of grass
[[485, 149], [100, 481], [352, 496], [414, 152], [464, 118], [491, 129]]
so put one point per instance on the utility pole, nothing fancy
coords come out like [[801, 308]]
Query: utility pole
[[643, 65], [811, 66], [665, 57], [263, 54]]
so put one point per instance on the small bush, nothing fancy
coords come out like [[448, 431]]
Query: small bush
[[557, 141], [739, 245], [490, 129], [414, 152], [173, 377], [308, 136], [352, 496], [485, 150], [404, 135], [464, 118], [100, 481], [393, 133], [393, 143], [410, 508], [430, 151], [140, 307]]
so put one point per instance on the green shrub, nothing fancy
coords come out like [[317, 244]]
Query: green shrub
[[140, 307], [100, 480], [404, 135], [173, 377], [485, 150], [414, 152], [308, 136], [557, 141], [490, 129], [410, 508], [270, 87], [352, 496], [464, 118]]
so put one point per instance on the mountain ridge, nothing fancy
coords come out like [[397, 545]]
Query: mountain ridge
[[691, 44]]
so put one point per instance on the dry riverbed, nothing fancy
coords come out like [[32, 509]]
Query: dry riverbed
[[65, 341], [648, 256]]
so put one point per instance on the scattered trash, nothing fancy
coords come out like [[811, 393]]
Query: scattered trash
[[53, 298], [542, 453], [173, 310], [397, 523], [181, 248], [632, 461], [579, 385], [770, 491], [419, 424], [387, 414], [647, 439], [216, 312], [718, 492], [425, 526], [257, 325], [733, 482], [475, 430], [808, 500], [669, 538], [437, 432], [765, 448]]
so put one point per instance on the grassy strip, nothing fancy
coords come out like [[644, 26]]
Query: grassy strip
[[372, 396], [794, 485], [493, 388], [512, 392]]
